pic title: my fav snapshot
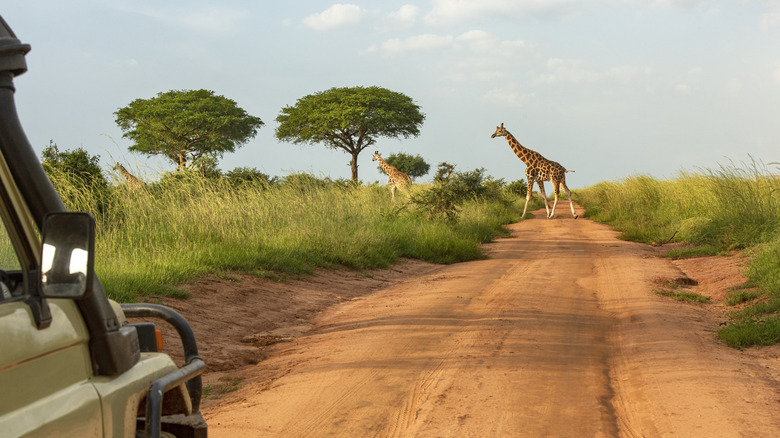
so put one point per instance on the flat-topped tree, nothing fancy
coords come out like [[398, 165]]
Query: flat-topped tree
[[350, 119], [189, 127]]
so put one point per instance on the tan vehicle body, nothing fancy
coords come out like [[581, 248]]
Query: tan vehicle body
[[71, 364]]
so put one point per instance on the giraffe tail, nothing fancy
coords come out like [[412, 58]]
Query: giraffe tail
[[569, 171]]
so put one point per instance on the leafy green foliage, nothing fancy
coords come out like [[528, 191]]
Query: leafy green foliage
[[519, 187], [307, 181], [444, 171], [440, 201], [414, 166], [443, 198], [77, 164], [186, 126], [350, 119], [78, 178], [249, 175]]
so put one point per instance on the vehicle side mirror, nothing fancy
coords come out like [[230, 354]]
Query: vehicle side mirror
[[68, 254]]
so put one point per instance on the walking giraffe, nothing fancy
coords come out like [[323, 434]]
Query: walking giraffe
[[539, 170], [131, 179], [398, 179]]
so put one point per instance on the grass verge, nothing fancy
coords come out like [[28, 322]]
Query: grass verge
[[153, 238], [688, 297], [714, 211]]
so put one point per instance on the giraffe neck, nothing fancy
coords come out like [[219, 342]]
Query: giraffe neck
[[129, 176], [124, 171], [526, 155], [386, 167]]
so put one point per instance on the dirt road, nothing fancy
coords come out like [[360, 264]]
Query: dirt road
[[558, 333]]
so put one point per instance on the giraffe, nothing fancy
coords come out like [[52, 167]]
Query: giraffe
[[131, 179], [539, 170], [398, 179]]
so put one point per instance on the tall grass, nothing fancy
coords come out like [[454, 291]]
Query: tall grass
[[727, 208], [714, 210], [152, 239]]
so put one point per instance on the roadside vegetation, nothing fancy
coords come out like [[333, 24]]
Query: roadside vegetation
[[688, 297], [151, 239], [713, 211]]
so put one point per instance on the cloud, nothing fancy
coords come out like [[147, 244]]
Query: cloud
[[683, 88], [771, 18], [122, 63], [566, 71], [335, 16], [416, 43], [207, 19], [625, 74], [734, 87], [446, 12], [478, 42], [488, 44], [407, 14], [507, 97], [668, 3]]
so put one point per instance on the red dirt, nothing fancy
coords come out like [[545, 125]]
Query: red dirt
[[558, 333]]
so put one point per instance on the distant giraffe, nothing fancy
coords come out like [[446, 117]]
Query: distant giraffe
[[398, 179], [131, 179], [539, 170]]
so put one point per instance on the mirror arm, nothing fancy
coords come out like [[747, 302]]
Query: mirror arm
[[38, 304]]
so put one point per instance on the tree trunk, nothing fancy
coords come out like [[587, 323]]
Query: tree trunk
[[182, 164], [354, 166]]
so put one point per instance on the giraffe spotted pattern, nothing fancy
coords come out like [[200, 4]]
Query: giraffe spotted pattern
[[538, 171], [398, 179]]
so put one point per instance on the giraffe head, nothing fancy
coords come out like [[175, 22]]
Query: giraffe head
[[376, 156], [500, 132]]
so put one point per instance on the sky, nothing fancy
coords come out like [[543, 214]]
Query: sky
[[608, 88]]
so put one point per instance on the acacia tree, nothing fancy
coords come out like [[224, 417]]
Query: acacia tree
[[414, 166], [186, 126], [350, 119]]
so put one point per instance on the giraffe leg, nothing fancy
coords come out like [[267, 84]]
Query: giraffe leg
[[571, 203], [557, 191], [544, 197], [528, 196], [392, 191]]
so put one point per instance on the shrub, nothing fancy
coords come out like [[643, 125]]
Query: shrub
[[519, 187], [78, 178], [245, 175], [443, 199]]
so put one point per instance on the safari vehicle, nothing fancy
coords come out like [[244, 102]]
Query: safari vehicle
[[70, 363]]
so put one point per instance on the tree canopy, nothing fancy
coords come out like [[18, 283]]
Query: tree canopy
[[186, 126], [350, 119], [414, 166]]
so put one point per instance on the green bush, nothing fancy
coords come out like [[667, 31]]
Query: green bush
[[443, 199], [78, 178], [249, 175]]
